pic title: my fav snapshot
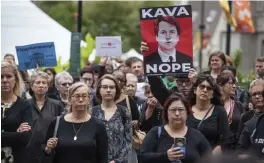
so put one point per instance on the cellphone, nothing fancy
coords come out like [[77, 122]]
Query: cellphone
[[181, 143]]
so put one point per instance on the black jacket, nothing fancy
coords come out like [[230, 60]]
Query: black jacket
[[41, 121], [154, 58], [252, 138]]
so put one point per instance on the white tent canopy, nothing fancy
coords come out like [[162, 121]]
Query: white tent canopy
[[24, 23]]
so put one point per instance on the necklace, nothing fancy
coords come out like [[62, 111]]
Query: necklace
[[75, 137]]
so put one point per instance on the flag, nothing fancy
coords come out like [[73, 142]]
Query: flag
[[230, 19], [243, 16]]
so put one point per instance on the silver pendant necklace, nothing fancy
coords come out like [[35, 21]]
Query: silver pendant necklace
[[75, 137]]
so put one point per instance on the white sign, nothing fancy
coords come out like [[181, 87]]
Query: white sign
[[108, 46]]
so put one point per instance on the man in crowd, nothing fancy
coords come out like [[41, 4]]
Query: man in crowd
[[259, 68]]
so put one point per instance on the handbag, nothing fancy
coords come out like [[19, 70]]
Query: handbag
[[137, 135]]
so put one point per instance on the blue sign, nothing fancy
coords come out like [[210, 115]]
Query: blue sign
[[33, 55]]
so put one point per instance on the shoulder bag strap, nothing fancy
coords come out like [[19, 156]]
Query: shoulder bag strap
[[128, 104], [56, 126], [205, 116]]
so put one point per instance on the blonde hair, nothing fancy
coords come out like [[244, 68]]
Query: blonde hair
[[256, 82], [19, 87], [131, 77], [39, 74], [72, 90]]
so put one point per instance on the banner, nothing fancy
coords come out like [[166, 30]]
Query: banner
[[36, 55], [229, 17], [168, 34], [243, 16], [108, 46]]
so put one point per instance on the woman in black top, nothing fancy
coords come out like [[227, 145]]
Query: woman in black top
[[234, 109], [125, 100], [158, 145], [16, 116], [209, 116], [52, 92], [80, 138], [44, 111]]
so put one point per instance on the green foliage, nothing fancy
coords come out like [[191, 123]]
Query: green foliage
[[109, 18], [243, 79]]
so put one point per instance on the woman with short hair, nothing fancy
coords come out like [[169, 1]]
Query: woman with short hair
[[63, 81], [16, 116], [44, 111], [80, 138], [159, 144], [209, 115], [116, 118]]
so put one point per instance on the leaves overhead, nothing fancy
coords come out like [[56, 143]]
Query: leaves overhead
[[108, 18]]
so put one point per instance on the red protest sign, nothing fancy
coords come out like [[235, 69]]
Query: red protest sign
[[168, 34]]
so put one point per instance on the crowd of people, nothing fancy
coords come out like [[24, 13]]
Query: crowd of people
[[120, 115]]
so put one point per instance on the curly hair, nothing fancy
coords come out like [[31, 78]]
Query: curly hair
[[216, 100]]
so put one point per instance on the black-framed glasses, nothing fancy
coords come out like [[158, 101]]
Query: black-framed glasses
[[181, 82], [65, 84], [255, 94], [202, 87]]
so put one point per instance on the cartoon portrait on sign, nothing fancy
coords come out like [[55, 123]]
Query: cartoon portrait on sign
[[168, 34]]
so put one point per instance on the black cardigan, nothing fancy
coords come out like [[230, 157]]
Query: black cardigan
[[19, 112]]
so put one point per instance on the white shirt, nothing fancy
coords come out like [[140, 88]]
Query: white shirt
[[166, 57]]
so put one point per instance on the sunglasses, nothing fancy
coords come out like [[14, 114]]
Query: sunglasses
[[65, 84], [202, 87]]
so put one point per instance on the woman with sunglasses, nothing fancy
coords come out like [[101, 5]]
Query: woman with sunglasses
[[162, 144], [116, 118], [63, 81], [80, 138], [234, 108], [209, 115]]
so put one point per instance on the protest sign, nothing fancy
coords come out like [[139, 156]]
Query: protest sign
[[36, 55], [108, 46], [168, 34]]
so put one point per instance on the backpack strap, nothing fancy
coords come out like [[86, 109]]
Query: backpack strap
[[56, 126]]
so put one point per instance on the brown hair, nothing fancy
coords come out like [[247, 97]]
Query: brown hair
[[175, 97], [229, 61], [223, 78], [168, 19], [109, 77], [260, 59], [219, 54], [10, 55]]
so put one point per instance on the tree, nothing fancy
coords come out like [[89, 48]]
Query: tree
[[116, 18]]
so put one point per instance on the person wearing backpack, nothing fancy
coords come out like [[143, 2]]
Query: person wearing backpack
[[159, 144], [116, 119]]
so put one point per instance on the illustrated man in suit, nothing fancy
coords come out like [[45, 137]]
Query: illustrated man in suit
[[167, 32]]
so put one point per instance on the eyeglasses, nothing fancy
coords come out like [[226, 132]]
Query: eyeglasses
[[79, 96], [64, 84], [174, 110], [105, 87], [231, 83], [186, 82], [254, 94], [202, 87]]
